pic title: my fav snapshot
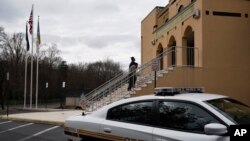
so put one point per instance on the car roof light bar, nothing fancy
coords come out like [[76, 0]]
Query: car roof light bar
[[169, 91]]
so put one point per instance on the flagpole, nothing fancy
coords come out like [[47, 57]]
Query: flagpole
[[25, 81], [25, 73], [31, 73], [37, 59]]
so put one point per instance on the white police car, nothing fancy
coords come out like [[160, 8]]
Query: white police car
[[168, 115]]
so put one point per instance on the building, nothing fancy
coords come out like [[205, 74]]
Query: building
[[200, 43], [189, 43], [73, 99]]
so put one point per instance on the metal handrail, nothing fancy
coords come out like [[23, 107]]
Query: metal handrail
[[105, 83], [120, 81]]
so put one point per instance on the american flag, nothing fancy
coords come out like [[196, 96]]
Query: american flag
[[31, 21]]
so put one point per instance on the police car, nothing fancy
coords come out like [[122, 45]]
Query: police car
[[172, 114]]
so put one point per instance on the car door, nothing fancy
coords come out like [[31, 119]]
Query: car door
[[184, 121], [129, 122]]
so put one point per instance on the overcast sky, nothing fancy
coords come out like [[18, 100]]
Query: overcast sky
[[84, 30]]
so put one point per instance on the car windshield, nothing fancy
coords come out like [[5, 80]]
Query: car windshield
[[232, 109]]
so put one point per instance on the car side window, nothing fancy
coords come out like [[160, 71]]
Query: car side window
[[138, 113], [184, 116]]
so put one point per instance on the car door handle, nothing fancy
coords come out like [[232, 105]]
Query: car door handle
[[107, 130]]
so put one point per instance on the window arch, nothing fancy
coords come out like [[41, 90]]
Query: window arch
[[172, 51], [166, 20], [188, 43], [181, 7], [159, 54]]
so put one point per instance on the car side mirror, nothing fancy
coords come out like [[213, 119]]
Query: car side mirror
[[215, 129]]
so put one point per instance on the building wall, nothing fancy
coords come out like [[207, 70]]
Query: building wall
[[179, 77], [72, 101], [147, 49], [223, 43], [226, 48], [162, 16], [175, 29], [175, 5]]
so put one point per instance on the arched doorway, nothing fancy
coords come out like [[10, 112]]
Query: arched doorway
[[159, 54], [188, 42], [172, 51]]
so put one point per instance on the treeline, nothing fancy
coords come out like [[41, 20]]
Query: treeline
[[81, 77]]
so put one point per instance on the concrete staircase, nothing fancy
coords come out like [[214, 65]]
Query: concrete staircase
[[116, 88], [122, 92]]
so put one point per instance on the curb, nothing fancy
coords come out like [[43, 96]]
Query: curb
[[43, 110], [57, 123]]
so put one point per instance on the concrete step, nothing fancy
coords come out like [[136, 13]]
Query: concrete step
[[170, 68], [160, 75], [138, 89], [149, 82], [164, 71]]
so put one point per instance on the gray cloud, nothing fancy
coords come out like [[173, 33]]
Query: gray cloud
[[12, 11], [107, 40], [84, 30]]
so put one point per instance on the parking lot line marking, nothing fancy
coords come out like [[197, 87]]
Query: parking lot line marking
[[16, 127], [5, 122], [39, 133]]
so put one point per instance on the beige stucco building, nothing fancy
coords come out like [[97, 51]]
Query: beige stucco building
[[206, 43]]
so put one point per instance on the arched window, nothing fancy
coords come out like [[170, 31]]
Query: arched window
[[189, 44], [166, 20], [180, 8], [172, 51], [159, 54]]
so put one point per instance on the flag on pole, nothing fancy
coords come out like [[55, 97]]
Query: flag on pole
[[31, 21], [38, 40], [27, 38]]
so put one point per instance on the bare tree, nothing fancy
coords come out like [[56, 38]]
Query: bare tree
[[2, 39], [79, 77], [49, 63], [52, 56], [2, 80], [12, 52], [100, 72], [12, 47]]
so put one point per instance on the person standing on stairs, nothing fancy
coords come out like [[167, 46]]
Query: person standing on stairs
[[132, 76]]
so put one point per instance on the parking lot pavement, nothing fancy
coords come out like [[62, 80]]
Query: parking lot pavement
[[27, 131]]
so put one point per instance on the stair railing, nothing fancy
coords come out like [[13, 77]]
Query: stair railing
[[106, 93]]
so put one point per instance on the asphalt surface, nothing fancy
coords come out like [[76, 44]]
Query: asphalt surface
[[27, 131]]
